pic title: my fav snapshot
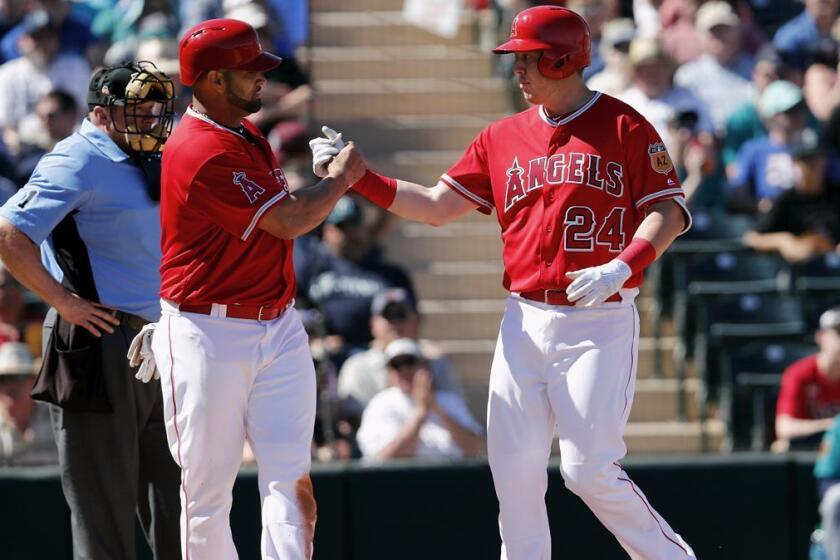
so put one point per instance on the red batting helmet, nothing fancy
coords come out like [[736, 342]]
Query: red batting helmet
[[559, 33], [222, 43]]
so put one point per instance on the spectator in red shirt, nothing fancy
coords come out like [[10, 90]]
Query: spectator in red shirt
[[810, 395]]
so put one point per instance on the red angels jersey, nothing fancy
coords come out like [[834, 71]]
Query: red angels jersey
[[217, 184], [568, 193]]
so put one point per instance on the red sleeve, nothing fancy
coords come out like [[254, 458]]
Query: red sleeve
[[232, 191], [651, 170], [792, 398], [470, 176]]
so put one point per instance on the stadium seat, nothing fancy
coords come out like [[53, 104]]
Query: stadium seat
[[704, 276], [750, 385], [728, 321], [709, 233]]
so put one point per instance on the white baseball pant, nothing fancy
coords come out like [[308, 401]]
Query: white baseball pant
[[569, 371], [224, 381]]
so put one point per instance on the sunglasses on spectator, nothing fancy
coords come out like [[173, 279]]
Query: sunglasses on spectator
[[404, 361]]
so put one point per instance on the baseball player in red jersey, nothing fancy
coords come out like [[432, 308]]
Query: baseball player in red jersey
[[232, 353], [586, 197]]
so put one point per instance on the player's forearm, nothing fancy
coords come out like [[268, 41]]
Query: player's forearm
[[664, 222], [435, 206], [304, 210], [405, 444], [788, 427], [23, 259]]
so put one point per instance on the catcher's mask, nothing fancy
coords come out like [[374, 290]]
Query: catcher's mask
[[146, 96]]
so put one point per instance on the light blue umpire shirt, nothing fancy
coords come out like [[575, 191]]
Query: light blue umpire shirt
[[117, 220]]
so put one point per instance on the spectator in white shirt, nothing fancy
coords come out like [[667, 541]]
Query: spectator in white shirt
[[40, 69], [653, 93], [721, 76], [614, 46], [393, 315], [410, 419]]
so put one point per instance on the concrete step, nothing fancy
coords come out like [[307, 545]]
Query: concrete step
[[388, 134], [423, 167], [400, 61], [371, 28], [448, 280], [361, 98], [355, 5], [461, 319], [672, 437], [472, 357]]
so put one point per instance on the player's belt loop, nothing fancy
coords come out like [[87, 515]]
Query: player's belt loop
[[259, 314]]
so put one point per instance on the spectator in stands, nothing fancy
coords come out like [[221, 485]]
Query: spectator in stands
[[411, 419], [40, 69], [614, 46], [679, 35], [653, 93], [25, 431], [809, 398], [56, 117], [696, 160], [763, 168], [802, 222], [827, 473], [75, 35], [744, 123], [341, 275], [807, 34], [393, 315], [720, 77]]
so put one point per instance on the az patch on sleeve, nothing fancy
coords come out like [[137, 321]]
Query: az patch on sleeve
[[659, 158]]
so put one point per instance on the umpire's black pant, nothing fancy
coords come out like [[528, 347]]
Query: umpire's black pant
[[113, 464]]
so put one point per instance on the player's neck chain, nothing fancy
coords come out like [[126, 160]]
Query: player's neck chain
[[206, 118]]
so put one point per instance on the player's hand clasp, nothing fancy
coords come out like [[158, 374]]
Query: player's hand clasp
[[324, 149], [592, 286]]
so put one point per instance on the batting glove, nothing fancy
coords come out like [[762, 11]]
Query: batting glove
[[592, 286], [140, 354], [324, 150]]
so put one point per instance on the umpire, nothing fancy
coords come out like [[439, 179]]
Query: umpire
[[92, 206]]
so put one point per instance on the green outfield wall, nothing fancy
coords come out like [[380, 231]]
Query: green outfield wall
[[736, 507]]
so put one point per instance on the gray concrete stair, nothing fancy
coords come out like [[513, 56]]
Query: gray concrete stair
[[424, 61], [380, 29]]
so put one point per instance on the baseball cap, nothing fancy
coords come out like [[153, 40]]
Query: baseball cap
[[806, 143], [830, 319], [346, 211], [391, 296], [16, 359], [778, 97], [646, 49], [617, 31], [714, 13], [402, 347]]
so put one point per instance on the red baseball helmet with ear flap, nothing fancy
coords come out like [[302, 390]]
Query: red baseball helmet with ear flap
[[561, 35], [222, 43]]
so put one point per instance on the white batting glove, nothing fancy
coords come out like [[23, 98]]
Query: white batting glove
[[140, 354], [324, 150], [592, 286]]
